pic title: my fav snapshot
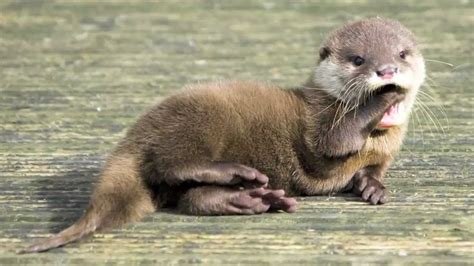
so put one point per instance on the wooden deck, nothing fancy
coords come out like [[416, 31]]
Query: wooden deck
[[75, 74]]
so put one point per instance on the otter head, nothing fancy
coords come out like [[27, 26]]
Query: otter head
[[364, 57]]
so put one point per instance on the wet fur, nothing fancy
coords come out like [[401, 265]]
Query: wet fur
[[199, 150]]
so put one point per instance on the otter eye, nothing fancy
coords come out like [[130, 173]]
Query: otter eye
[[403, 54], [358, 61]]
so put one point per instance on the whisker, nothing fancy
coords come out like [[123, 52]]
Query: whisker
[[361, 94], [427, 116], [438, 108], [438, 61], [411, 132], [342, 98], [435, 98], [428, 81], [347, 106], [420, 127], [327, 107], [461, 66], [333, 123], [432, 116]]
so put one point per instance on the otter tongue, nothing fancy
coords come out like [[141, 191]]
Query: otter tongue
[[392, 117]]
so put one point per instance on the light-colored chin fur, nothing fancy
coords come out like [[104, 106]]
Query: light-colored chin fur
[[330, 77]]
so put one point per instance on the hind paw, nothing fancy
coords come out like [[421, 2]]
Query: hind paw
[[260, 200]]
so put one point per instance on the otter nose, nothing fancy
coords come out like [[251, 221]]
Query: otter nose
[[387, 71]]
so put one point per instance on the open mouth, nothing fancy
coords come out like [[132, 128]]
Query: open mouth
[[395, 115]]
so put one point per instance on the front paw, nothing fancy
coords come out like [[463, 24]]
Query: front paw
[[390, 94], [371, 190], [380, 103]]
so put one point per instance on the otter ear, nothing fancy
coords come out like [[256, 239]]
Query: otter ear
[[324, 52]]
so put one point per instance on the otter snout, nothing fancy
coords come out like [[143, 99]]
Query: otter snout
[[386, 71]]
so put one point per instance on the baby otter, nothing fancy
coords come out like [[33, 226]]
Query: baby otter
[[246, 148]]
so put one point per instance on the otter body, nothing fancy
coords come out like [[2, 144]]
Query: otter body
[[257, 125], [246, 148]]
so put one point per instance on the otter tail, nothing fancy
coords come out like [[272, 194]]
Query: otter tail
[[120, 197]]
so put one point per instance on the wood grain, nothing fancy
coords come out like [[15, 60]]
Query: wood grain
[[75, 74]]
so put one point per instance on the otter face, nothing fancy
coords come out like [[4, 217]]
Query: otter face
[[363, 57]]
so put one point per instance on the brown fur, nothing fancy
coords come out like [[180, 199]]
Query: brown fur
[[241, 147]]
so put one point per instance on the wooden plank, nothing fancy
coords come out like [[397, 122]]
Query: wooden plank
[[75, 74]]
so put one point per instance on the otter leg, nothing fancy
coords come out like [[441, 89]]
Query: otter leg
[[220, 173], [221, 200], [367, 183], [348, 135]]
